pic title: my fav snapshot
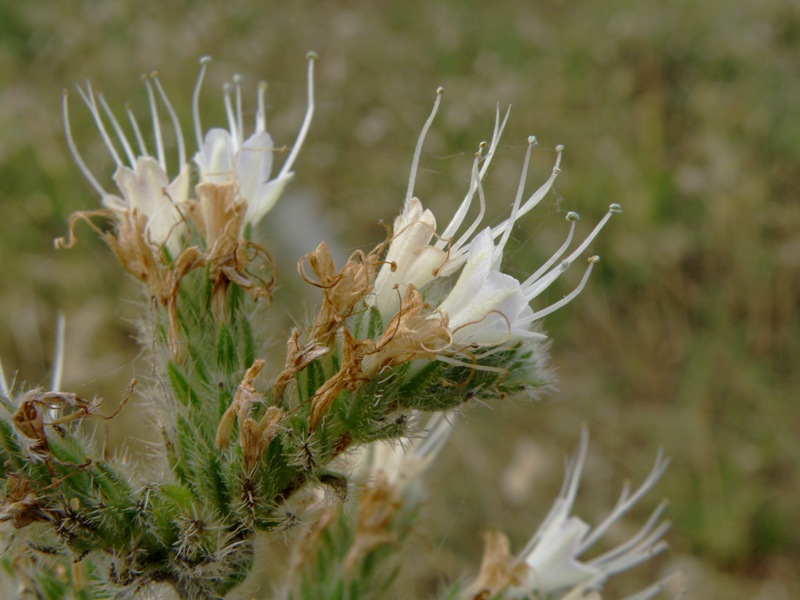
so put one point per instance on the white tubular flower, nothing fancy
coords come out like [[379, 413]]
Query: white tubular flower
[[225, 156], [402, 461], [554, 555], [485, 306], [144, 184]]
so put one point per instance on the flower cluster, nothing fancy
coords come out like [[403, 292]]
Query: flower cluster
[[364, 402], [483, 306], [553, 561]]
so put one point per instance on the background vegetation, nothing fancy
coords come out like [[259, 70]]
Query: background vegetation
[[688, 338]]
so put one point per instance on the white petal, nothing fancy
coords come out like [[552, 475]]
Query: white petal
[[143, 189], [553, 562], [265, 198], [215, 158], [253, 165]]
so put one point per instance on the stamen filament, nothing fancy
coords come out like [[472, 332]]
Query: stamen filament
[[137, 132], [237, 83], [261, 113], [566, 299], [118, 130], [88, 99], [151, 99], [173, 116], [458, 217], [545, 281], [482, 200], [198, 128], [537, 196], [573, 218], [418, 150], [73, 149], [301, 136], [520, 189], [227, 93]]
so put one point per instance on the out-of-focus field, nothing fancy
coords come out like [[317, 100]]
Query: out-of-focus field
[[687, 337]]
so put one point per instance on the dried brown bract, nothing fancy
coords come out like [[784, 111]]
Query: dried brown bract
[[498, 569]]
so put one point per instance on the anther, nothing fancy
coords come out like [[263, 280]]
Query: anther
[[615, 208], [204, 60], [573, 216], [560, 148], [532, 140], [312, 55]]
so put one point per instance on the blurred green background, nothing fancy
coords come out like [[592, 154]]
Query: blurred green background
[[687, 338]]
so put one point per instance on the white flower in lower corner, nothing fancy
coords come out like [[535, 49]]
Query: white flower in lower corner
[[555, 555]]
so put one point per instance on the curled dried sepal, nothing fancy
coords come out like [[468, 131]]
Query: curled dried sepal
[[342, 291], [349, 376], [498, 570], [376, 509], [254, 436]]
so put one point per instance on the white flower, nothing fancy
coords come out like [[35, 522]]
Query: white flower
[[144, 184], [225, 156], [403, 460], [145, 188], [485, 306], [555, 554]]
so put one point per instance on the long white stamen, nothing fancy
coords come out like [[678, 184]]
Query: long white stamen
[[173, 116], [4, 390], [151, 99], [137, 132], [237, 84], [567, 495], [58, 355], [642, 540], [301, 136], [118, 130], [227, 93], [73, 149], [625, 502], [521, 188], [458, 218], [198, 128], [498, 132], [566, 299], [545, 281], [261, 112], [537, 196], [89, 100], [418, 150], [482, 200], [573, 218], [461, 213]]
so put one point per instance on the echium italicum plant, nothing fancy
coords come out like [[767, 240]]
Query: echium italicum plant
[[322, 452]]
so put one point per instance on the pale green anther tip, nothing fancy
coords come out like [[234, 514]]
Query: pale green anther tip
[[227, 87], [237, 79], [615, 208], [532, 141], [204, 60], [560, 148], [439, 91], [312, 55], [594, 259], [262, 85], [153, 74], [573, 216]]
